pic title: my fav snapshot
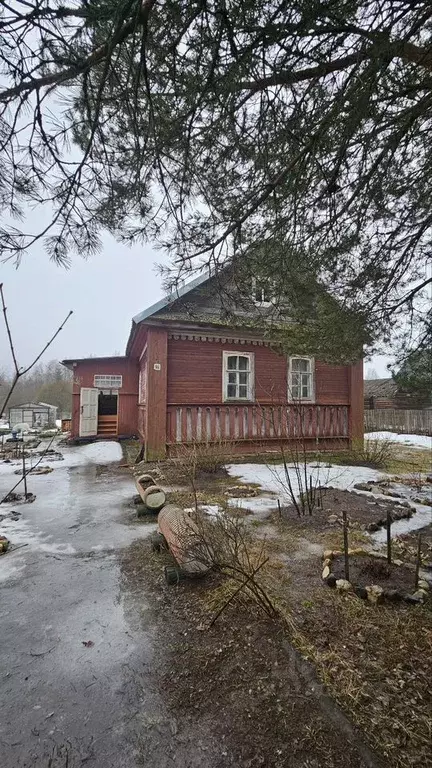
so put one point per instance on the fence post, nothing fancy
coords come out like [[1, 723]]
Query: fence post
[[345, 539], [389, 522]]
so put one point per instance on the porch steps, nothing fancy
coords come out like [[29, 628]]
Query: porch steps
[[107, 426]]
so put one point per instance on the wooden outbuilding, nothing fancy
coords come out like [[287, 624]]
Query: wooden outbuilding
[[36, 415]]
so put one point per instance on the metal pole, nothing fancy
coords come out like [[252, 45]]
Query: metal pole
[[24, 473], [418, 561]]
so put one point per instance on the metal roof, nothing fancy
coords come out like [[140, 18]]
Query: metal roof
[[68, 363], [170, 297]]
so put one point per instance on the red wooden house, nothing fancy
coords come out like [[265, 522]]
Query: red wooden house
[[195, 371]]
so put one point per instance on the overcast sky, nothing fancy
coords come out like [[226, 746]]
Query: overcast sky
[[104, 292]]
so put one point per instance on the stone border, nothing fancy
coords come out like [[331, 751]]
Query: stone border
[[373, 592]]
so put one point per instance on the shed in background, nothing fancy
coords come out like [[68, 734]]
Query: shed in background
[[36, 415]]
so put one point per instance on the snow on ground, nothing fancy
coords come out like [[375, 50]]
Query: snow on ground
[[416, 441], [103, 452], [271, 477]]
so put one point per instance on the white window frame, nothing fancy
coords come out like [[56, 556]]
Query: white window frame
[[262, 303], [311, 398], [251, 385], [107, 381]]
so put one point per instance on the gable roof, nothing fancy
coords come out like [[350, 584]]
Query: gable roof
[[178, 293]]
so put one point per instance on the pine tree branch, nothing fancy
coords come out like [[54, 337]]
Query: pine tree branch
[[96, 57]]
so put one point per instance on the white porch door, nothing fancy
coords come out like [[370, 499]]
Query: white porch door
[[88, 412]]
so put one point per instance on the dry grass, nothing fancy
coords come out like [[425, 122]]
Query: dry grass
[[376, 662]]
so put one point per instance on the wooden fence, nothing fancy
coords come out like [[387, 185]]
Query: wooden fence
[[408, 422]]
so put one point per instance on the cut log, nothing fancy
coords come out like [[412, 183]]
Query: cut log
[[183, 539], [142, 483], [154, 498]]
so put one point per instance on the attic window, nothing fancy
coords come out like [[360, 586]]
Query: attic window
[[262, 291], [108, 381]]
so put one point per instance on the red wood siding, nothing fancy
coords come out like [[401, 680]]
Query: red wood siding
[[83, 376], [331, 383], [195, 374], [156, 405]]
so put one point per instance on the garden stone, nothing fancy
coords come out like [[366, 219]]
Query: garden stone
[[331, 580], [372, 527], [363, 487], [413, 599], [343, 585], [423, 584], [333, 519], [397, 562], [326, 572], [419, 595], [374, 593], [326, 562], [328, 554]]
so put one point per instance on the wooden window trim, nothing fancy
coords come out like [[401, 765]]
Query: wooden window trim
[[311, 399], [251, 386]]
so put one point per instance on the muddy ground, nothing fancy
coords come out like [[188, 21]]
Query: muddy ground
[[245, 674], [259, 700]]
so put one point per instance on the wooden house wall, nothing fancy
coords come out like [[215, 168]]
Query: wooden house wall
[[83, 376], [195, 374]]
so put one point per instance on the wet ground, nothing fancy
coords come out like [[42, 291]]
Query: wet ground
[[75, 684]]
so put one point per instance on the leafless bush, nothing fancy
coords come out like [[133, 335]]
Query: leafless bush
[[197, 459], [304, 489], [225, 544], [373, 453]]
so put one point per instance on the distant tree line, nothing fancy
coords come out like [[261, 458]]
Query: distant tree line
[[47, 382]]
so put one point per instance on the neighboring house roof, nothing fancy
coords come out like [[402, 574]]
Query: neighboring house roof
[[35, 406], [380, 388]]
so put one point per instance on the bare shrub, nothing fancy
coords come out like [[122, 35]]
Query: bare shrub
[[197, 459], [225, 544], [299, 484], [373, 452]]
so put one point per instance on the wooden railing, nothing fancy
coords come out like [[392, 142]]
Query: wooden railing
[[213, 423]]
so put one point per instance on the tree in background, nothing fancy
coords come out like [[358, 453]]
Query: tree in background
[[415, 374], [47, 383], [371, 374], [212, 126]]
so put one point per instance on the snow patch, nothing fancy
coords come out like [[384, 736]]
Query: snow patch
[[416, 441], [271, 477], [102, 452]]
